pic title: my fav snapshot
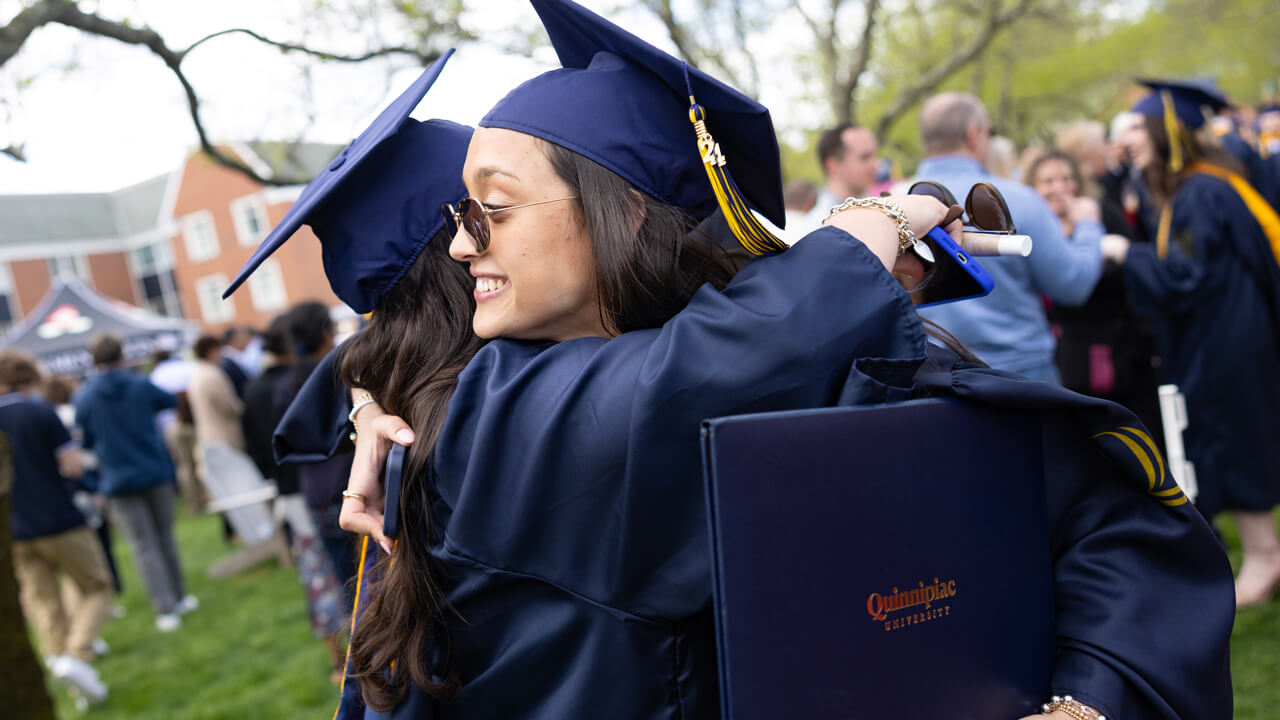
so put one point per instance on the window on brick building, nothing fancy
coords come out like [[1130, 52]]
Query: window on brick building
[[266, 287], [200, 235], [8, 299], [213, 308], [251, 221], [152, 269], [74, 265]]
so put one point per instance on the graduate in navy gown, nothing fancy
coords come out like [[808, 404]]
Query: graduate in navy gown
[[555, 544], [1210, 285], [566, 530], [376, 211], [566, 575]]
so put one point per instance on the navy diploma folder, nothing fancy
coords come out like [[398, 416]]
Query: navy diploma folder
[[880, 562]]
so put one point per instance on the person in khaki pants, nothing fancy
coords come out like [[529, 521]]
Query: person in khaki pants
[[50, 537]]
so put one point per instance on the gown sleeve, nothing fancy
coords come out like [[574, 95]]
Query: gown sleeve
[[1143, 594], [579, 463], [314, 426], [1159, 288]]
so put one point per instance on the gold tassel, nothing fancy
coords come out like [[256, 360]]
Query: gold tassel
[[1171, 129], [754, 236]]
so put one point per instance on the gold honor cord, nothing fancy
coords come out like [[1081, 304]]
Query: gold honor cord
[[1262, 211], [754, 236], [355, 605], [1162, 233]]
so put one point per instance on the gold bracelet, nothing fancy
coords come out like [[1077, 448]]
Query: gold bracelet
[[1072, 707], [906, 238]]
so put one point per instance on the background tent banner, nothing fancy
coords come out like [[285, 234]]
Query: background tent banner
[[58, 330]]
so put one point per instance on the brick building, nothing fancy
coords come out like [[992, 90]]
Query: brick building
[[170, 244]]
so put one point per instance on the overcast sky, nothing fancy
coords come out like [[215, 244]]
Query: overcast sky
[[95, 114]]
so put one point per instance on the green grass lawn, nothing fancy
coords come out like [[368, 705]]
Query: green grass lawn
[[1255, 650], [248, 651]]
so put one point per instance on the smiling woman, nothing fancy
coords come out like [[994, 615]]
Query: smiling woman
[[588, 255], [534, 281]]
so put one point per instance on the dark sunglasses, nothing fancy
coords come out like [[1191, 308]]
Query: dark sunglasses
[[985, 206], [473, 217]]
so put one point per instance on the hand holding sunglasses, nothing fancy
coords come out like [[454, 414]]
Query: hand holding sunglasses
[[956, 275], [989, 227]]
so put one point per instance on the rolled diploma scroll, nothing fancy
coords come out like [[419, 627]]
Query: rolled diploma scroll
[[980, 244]]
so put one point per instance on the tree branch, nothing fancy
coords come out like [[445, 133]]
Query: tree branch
[[150, 39], [686, 46], [740, 35], [16, 32], [65, 12], [425, 58], [808, 19], [828, 51], [997, 18], [860, 62]]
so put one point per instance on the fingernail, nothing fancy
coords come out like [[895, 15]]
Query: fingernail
[[404, 435], [386, 547]]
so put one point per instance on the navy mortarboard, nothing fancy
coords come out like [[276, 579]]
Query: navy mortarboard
[[650, 118], [378, 203], [1179, 102]]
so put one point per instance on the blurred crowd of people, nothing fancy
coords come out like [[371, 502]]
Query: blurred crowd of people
[[1145, 270], [1086, 185], [1153, 263], [121, 450]]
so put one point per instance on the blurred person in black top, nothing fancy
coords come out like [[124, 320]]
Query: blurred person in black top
[[260, 411], [322, 483], [266, 398]]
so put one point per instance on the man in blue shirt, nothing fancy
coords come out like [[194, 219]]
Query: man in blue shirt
[[50, 537], [1008, 328], [116, 411]]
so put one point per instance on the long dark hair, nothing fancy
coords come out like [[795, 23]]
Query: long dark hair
[[644, 276], [419, 338], [647, 266], [1164, 184]]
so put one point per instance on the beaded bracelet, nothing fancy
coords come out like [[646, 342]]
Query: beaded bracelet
[[364, 399], [1072, 707]]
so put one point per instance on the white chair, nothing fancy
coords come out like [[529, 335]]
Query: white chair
[[241, 493]]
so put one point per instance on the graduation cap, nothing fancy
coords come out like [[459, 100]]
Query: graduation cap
[[650, 118], [1179, 102], [377, 205]]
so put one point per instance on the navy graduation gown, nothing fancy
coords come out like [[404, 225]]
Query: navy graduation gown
[[1214, 304], [1130, 561], [1144, 599], [570, 501], [1258, 172], [314, 426]]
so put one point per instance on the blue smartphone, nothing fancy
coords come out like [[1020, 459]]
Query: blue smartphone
[[957, 275], [391, 473]]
